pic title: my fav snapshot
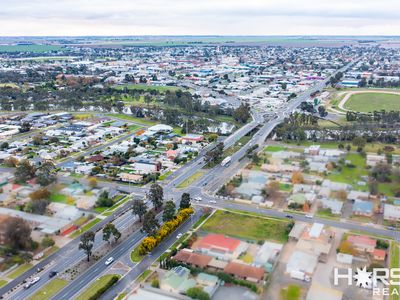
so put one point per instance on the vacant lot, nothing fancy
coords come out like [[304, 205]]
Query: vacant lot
[[368, 102], [351, 174], [250, 227]]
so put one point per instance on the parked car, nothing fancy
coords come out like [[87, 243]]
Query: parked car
[[179, 235], [109, 260]]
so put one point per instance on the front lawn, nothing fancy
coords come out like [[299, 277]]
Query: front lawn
[[49, 290], [249, 227]]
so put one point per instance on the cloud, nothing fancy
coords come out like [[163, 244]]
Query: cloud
[[224, 17]]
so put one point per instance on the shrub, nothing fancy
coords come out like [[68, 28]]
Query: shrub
[[155, 283], [103, 289], [47, 242]]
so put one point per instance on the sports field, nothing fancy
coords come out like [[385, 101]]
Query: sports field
[[368, 102]]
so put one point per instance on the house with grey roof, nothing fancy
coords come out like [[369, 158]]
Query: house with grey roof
[[334, 205]]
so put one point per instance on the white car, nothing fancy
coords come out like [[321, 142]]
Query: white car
[[179, 235], [309, 216], [32, 282], [213, 201], [109, 260], [198, 199]]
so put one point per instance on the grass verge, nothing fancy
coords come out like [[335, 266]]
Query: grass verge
[[49, 290], [188, 181]]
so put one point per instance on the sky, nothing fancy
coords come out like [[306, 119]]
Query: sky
[[199, 17]]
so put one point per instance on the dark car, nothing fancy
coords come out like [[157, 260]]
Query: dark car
[[52, 274], [289, 216]]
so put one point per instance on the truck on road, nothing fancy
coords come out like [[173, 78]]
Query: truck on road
[[226, 161], [300, 275]]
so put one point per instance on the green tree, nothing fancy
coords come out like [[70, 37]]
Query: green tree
[[46, 174], [242, 113], [25, 127], [139, 208], [4, 146], [156, 195], [104, 200], [197, 293], [109, 230], [359, 142], [169, 211], [86, 243], [185, 201], [17, 233], [24, 172], [150, 223]]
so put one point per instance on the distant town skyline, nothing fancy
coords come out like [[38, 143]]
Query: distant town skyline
[[206, 17]]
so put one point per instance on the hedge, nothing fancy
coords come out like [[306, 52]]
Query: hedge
[[103, 289]]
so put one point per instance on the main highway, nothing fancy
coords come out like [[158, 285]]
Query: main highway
[[212, 178]]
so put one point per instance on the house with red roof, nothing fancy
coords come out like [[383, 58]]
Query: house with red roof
[[246, 272], [379, 254], [220, 246], [362, 243]]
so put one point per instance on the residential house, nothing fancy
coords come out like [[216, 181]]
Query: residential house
[[177, 280], [267, 255], [363, 208], [220, 246], [379, 254], [245, 272], [362, 243], [391, 212], [187, 256], [301, 261], [133, 178], [145, 166], [192, 138], [334, 205], [316, 240]]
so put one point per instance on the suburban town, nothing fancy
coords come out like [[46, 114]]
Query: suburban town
[[198, 166]]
